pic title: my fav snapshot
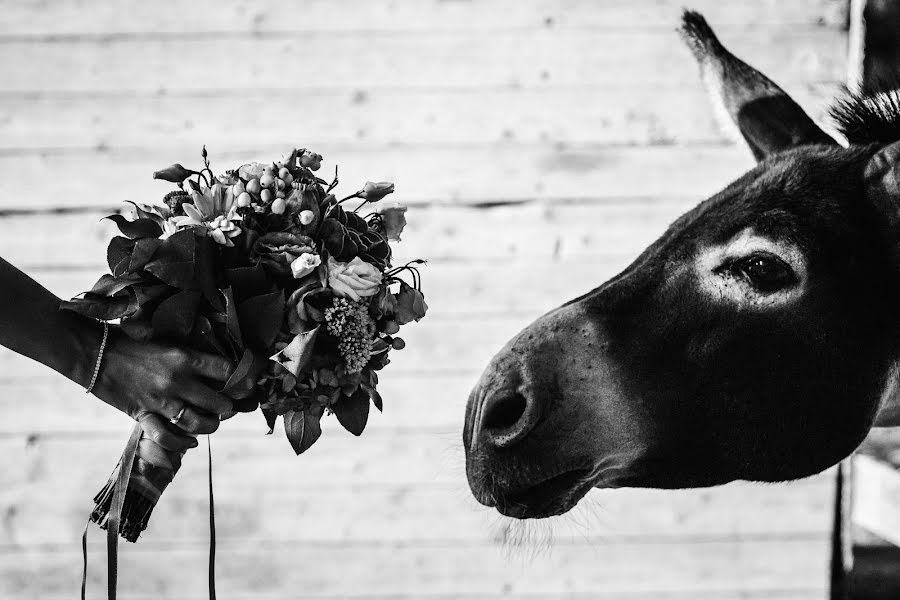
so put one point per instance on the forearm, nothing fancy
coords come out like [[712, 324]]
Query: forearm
[[32, 324]]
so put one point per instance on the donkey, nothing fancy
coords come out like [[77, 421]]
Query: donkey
[[757, 339]]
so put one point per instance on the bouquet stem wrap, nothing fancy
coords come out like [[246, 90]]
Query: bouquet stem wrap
[[150, 474]]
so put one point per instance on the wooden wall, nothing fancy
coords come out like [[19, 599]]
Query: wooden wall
[[542, 145]]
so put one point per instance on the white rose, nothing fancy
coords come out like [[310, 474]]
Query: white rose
[[305, 264], [355, 280]]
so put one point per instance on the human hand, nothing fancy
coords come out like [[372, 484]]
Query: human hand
[[153, 382]]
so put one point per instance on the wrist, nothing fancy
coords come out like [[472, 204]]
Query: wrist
[[86, 340]]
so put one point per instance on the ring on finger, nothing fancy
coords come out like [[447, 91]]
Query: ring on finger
[[174, 420]]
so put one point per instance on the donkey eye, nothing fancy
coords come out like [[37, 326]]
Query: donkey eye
[[765, 272]]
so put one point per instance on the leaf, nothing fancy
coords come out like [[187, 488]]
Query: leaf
[[205, 268], [302, 429], [248, 367], [270, 416], [261, 318], [108, 285], [175, 316], [232, 323], [295, 356], [139, 228], [142, 253], [118, 255], [353, 411], [102, 308], [173, 261], [374, 396], [247, 282], [204, 338], [147, 293]]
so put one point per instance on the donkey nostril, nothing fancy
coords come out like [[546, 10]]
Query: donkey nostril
[[504, 412]]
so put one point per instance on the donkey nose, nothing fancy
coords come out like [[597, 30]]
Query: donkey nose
[[507, 418]]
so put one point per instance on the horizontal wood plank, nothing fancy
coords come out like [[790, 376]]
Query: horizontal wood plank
[[486, 238], [385, 60], [608, 115], [438, 175], [268, 16], [267, 568]]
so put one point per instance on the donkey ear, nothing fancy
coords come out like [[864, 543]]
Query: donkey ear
[[767, 118]]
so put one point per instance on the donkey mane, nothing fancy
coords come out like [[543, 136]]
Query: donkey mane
[[870, 115]]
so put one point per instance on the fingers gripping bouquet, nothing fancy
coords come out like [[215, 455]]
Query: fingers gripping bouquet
[[265, 266]]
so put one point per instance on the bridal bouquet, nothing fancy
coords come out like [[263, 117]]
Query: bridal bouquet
[[265, 266]]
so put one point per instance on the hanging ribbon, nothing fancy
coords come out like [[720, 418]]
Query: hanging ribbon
[[212, 529], [115, 513]]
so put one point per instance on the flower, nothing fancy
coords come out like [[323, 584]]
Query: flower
[[305, 264], [393, 219], [410, 304], [252, 170], [173, 173], [351, 324], [373, 192], [355, 280], [276, 251], [214, 209]]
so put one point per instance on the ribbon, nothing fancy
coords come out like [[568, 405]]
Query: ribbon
[[115, 513], [212, 529]]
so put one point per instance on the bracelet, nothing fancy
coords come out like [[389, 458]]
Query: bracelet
[[99, 358]]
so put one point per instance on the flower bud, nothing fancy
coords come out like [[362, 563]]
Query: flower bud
[[174, 173], [373, 192]]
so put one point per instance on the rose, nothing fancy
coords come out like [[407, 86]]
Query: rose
[[393, 220], [305, 264], [276, 251], [355, 280]]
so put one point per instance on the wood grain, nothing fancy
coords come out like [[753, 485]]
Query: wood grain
[[132, 17], [436, 175], [385, 60], [374, 117]]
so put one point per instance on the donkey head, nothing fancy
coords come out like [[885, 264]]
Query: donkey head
[[756, 339]]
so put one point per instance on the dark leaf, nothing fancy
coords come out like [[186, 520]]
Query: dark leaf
[[142, 253], [175, 316], [353, 411], [118, 255], [356, 223], [231, 317], [139, 228], [249, 366], [148, 293], [108, 285], [173, 261], [374, 396], [247, 282], [261, 318], [205, 269], [204, 338], [102, 308], [270, 416], [302, 429]]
